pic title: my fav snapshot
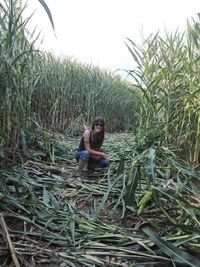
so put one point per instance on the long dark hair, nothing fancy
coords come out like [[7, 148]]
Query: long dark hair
[[99, 138]]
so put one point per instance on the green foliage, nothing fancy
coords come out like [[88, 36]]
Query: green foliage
[[40, 93], [57, 93], [176, 254], [93, 216], [68, 91], [16, 58], [167, 75]]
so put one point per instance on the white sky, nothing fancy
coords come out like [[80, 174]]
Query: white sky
[[95, 31]]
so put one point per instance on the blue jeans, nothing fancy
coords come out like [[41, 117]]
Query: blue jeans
[[84, 155]]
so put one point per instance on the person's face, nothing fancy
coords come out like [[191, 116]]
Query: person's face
[[98, 127]]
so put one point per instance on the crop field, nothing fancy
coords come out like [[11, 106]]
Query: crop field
[[144, 209]]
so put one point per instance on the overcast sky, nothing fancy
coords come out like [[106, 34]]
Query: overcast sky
[[95, 31]]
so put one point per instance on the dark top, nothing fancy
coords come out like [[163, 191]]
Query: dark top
[[93, 144]]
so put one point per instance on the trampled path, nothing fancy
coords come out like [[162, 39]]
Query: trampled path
[[51, 219]]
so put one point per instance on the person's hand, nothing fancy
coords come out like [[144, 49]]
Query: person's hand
[[105, 156]]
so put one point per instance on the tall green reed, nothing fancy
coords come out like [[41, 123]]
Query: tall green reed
[[15, 72], [167, 77], [39, 90], [68, 90]]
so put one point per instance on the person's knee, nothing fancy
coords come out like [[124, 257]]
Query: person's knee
[[85, 155], [77, 156], [104, 163]]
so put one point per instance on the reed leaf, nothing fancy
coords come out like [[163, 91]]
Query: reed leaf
[[175, 253], [46, 8]]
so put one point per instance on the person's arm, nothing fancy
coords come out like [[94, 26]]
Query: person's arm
[[86, 137]]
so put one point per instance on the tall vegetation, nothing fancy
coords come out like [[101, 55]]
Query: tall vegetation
[[39, 90], [148, 188], [67, 91], [165, 165], [16, 80], [167, 75]]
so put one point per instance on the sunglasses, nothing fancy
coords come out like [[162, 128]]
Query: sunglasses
[[100, 125]]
